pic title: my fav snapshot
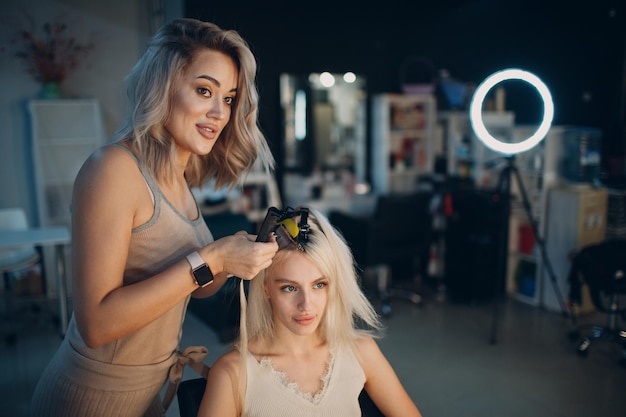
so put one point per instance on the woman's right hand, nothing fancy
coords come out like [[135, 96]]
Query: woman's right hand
[[239, 255]]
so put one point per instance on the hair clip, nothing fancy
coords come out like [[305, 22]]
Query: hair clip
[[288, 233], [303, 226]]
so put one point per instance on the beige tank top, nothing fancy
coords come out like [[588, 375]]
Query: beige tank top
[[270, 394], [154, 246]]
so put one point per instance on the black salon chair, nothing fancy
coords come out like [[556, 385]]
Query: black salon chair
[[395, 238], [602, 268], [190, 394]]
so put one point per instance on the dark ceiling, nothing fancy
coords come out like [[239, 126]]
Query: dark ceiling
[[577, 48]]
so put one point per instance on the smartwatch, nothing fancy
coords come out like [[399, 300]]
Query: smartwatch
[[202, 275]]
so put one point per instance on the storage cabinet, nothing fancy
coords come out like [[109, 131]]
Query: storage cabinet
[[538, 169], [403, 141], [63, 134], [541, 169], [576, 218]]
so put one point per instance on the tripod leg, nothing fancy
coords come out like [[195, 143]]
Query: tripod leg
[[504, 189]]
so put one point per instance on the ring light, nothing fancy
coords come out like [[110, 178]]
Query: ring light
[[476, 117]]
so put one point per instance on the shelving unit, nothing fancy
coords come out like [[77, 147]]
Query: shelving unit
[[63, 134], [541, 169], [402, 140], [466, 156]]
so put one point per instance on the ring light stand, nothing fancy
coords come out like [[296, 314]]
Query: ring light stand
[[509, 150]]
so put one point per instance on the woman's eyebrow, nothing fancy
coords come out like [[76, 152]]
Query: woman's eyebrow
[[288, 281], [284, 280], [215, 81], [209, 78]]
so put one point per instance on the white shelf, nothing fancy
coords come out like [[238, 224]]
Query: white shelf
[[403, 136], [64, 133]]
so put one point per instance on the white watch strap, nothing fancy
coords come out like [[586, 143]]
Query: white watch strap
[[195, 260]]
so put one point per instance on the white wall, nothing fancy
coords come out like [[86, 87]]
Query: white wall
[[120, 29]]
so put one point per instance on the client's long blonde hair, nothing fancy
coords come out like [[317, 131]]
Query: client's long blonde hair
[[349, 314]]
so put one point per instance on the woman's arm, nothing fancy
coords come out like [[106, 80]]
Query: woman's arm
[[382, 383], [110, 198], [221, 395]]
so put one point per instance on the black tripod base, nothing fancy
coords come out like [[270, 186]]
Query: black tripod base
[[508, 173]]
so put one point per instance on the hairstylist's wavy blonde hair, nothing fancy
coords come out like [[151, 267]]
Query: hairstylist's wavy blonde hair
[[150, 87], [349, 314]]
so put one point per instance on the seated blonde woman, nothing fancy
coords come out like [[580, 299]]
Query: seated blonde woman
[[300, 351]]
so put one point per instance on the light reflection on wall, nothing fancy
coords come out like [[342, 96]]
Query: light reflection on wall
[[300, 115]]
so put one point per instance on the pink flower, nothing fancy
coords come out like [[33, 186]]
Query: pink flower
[[50, 56]]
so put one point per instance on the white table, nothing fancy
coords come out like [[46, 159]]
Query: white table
[[59, 237]]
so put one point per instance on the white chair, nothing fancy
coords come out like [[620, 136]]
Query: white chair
[[13, 260]]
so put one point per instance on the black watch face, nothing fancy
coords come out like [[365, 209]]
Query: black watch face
[[203, 275]]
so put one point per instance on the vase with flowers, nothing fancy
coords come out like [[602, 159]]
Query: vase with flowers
[[50, 55]]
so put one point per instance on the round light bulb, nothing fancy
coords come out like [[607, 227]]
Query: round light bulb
[[327, 79], [476, 116]]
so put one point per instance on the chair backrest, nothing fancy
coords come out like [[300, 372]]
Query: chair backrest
[[13, 219], [403, 220], [189, 395], [15, 257], [602, 266]]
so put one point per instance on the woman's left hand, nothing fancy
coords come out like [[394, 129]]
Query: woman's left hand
[[239, 255]]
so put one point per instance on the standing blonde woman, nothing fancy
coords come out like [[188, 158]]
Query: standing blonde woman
[[301, 352], [140, 246]]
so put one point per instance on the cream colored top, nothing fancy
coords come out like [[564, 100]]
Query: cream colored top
[[270, 394]]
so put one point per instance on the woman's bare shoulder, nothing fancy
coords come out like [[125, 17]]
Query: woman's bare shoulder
[[108, 173], [109, 166], [365, 343], [107, 160], [366, 350], [228, 363], [110, 158]]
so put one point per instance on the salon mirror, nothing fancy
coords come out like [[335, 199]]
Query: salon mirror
[[324, 133]]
